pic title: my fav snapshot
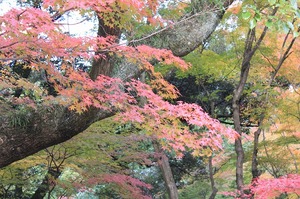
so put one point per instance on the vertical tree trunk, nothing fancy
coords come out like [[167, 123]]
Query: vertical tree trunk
[[254, 167], [162, 159], [212, 180], [237, 94], [250, 48], [210, 165], [104, 64], [284, 55], [237, 127], [163, 163]]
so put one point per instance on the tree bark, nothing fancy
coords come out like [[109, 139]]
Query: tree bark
[[284, 55], [191, 31], [47, 126], [250, 48], [164, 165], [237, 94], [104, 64], [214, 189], [254, 166], [44, 127], [212, 180]]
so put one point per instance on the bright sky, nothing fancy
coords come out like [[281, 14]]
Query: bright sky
[[5, 5], [82, 29]]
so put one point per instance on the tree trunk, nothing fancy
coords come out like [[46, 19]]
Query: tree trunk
[[284, 55], [212, 180], [192, 30], [254, 167], [163, 163], [47, 126], [44, 127], [250, 48], [237, 94], [210, 165], [104, 64]]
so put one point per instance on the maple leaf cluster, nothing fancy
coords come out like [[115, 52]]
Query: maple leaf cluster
[[271, 188], [173, 123], [33, 36]]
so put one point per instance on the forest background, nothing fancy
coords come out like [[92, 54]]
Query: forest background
[[167, 99]]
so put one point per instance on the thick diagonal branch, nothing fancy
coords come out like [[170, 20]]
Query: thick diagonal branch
[[47, 126]]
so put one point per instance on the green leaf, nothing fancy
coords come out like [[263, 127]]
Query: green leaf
[[283, 11], [269, 24], [257, 16], [253, 23], [272, 2], [246, 15]]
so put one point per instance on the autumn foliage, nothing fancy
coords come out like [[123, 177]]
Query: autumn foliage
[[130, 187], [271, 188], [33, 38]]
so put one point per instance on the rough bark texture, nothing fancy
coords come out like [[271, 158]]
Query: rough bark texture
[[44, 127], [48, 126], [214, 189], [104, 65], [187, 35], [251, 45], [212, 180], [164, 165], [254, 166], [192, 31], [236, 108]]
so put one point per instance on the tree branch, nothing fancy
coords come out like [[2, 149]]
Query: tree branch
[[49, 125]]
